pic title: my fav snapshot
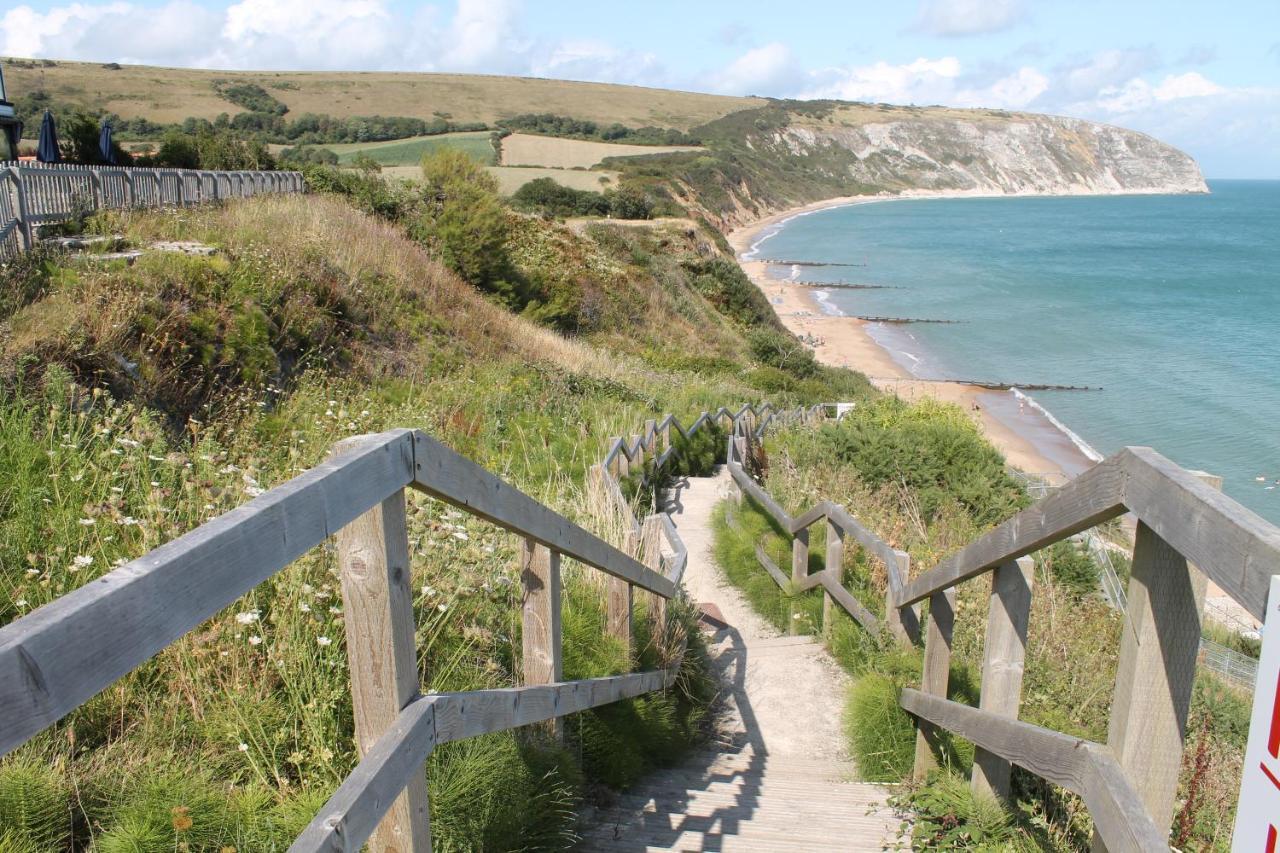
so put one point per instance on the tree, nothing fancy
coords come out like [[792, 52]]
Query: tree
[[463, 219]]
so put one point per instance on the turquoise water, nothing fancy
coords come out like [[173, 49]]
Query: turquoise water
[[1170, 304]]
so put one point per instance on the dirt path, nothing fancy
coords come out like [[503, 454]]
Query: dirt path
[[778, 778]]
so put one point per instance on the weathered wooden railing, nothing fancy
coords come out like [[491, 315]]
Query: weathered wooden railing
[[1187, 531], [655, 444], [838, 524], [60, 655], [32, 195]]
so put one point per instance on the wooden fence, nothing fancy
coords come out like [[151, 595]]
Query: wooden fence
[[34, 195], [1187, 531], [59, 656]]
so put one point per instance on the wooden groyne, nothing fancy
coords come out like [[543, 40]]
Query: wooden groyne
[[844, 285], [903, 320], [781, 263], [1009, 386]]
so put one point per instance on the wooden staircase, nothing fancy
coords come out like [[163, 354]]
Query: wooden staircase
[[778, 779]]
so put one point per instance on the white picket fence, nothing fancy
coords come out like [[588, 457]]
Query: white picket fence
[[37, 194]]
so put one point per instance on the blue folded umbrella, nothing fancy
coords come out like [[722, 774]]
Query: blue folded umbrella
[[104, 145], [47, 149]]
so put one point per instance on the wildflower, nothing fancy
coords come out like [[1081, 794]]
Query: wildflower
[[442, 607], [21, 602], [155, 458], [307, 589], [155, 484], [461, 534], [255, 640], [127, 442], [129, 521], [304, 607], [488, 549], [32, 572], [323, 641], [336, 611], [117, 490], [428, 591], [86, 522], [83, 561], [243, 747], [248, 617]]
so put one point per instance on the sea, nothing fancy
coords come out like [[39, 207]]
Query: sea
[[1166, 306]]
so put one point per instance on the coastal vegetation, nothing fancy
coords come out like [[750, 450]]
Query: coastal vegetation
[[141, 400], [924, 479]]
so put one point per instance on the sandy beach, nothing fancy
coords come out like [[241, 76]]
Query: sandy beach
[[1029, 441]]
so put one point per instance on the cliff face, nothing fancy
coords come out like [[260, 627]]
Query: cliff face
[[762, 160], [982, 151]]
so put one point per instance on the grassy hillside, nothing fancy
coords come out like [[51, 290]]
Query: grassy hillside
[[173, 94], [138, 401]]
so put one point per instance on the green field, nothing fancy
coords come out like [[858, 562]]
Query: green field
[[408, 152]]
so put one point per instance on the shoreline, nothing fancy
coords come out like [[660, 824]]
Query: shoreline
[[1030, 439]]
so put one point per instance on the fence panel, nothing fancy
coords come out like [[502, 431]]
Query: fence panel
[[44, 193]]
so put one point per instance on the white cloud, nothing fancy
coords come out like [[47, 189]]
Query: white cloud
[[761, 70], [307, 33], [924, 81], [968, 17]]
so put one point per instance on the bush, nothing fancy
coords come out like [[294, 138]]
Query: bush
[[949, 816], [782, 350], [727, 287], [932, 449], [546, 196], [1072, 567], [251, 97], [629, 203], [463, 220]]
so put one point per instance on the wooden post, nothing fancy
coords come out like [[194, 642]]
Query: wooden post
[[834, 566], [540, 607], [24, 210], [95, 188], [1158, 650], [800, 556], [936, 673], [373, 559], [1004, 651], [128, 189], [892, 613], [651, 554], [618, 621]]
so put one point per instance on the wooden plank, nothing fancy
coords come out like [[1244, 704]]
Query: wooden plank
[[348, 819], [373, 564], [935, 674], [1235, 547], [759, 495], [1158, 650], [1004, 652], [876, 546], [128, 615], [762, 557], [851, 605], [1080, 766], [451, 477], [1095, 496]]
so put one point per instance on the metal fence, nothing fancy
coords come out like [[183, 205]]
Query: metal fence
[[38, 194]]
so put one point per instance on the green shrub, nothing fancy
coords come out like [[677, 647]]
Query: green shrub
[[545, 195], [1073, 567], [252, 97], [463, 220], [728, 288], [932, 449], [782, 350]]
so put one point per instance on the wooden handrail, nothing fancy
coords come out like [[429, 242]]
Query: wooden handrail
[[1083, 767]]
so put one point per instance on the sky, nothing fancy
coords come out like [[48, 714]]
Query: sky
[[1202, 76]]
